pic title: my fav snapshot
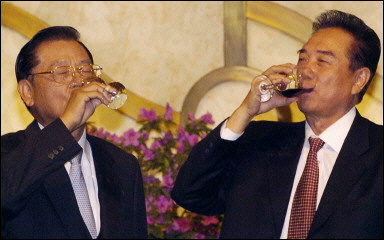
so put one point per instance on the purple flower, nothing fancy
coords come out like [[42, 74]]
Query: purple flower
[[150, 220], [144, 136], [92, 130], [151, 198], [168, 181], [191, 117], [148, 154], [168, 113], [160, 219], [116, 139], [148, 203], [166, 138], [180, 147], [99, 132], [181, 134], [157, 139], [181, 224], [207, 118], [208, 220], [148, 206], [131, 138], [191, 138], [155, 145], [199, 236], [102, 134], [149, 179], [149, 115], [163, 203]]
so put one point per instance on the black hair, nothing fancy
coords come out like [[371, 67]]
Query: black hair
[[366, 49], [27, 60]]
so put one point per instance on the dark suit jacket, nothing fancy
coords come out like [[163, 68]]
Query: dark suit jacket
[[37, 199], [250, 181]]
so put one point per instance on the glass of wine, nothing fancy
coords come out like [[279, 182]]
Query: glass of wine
[[118, 98], [267, 88]]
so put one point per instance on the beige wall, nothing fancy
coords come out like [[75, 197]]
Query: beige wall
[[159, 50]]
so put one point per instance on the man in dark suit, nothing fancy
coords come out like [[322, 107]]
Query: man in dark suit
[[38, 196], [249, 170]]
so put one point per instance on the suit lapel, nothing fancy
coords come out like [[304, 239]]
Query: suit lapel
[[109, 194], [346, 172], [281, 170], [60, 192]]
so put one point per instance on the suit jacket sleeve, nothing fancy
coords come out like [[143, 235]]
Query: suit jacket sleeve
[[203, 179], [27, 157]]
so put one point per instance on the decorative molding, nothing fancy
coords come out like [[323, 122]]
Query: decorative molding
[[280, 18], [209, 81], [236, 15], [235, 34], [270, 14], [28, 25], [20, 21]]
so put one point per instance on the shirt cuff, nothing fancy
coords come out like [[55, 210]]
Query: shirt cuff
[[227, 134]]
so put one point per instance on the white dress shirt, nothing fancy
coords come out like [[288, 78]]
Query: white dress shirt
[[333, 137], [89, 174]]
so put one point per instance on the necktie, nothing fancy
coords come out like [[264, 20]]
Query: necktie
[[304, 201], [81, 194]]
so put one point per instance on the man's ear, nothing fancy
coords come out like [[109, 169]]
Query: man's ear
[[361, 79], [25, 89]]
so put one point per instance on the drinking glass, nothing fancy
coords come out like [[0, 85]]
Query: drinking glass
[[290, 89], [118, 98]]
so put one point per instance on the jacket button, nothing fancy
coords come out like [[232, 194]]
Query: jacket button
[[51, 155]]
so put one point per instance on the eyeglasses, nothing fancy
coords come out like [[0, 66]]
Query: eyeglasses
[[65, 74]]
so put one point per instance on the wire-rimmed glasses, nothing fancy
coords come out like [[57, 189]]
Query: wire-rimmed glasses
[[88, 74], [65, 74]]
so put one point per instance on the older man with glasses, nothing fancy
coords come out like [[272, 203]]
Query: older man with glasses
[[57, 181]]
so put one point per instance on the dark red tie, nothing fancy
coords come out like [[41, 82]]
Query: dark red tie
[[304, 202]]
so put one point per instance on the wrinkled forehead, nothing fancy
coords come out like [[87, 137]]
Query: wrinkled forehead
[[330, 40], [61, 52]]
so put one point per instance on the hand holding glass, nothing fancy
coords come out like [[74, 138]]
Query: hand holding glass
[[118, 98], [267, 88]]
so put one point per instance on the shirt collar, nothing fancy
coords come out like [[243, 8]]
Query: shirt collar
[[335, 134]]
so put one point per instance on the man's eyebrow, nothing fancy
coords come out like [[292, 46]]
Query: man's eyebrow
[[328, 53], [324, 52], [86, 61], [301, 51], [59, 63], [65, 63]]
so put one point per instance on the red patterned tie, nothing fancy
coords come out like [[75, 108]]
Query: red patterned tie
[[304, 202]]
